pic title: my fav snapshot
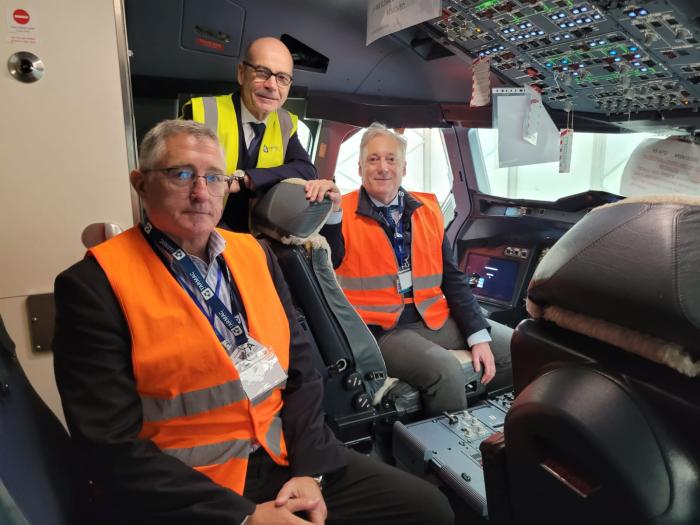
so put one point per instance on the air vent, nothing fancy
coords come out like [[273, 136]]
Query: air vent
[[304, 57], [422, 43]]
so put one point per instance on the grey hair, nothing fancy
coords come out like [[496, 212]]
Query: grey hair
[[153, 144], [377, 129]]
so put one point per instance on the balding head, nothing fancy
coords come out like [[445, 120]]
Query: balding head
[[262, 96]]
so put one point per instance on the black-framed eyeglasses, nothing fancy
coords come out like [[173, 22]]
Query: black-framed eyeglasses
[[263, 73], [182, 178]]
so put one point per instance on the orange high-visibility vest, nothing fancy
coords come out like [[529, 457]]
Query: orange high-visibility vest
[[369, 272], [194, 406]]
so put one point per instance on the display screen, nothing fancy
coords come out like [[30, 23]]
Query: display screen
[[495, 278]]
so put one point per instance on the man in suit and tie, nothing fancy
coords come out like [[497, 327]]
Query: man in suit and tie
[[259, 138], [397, 269]]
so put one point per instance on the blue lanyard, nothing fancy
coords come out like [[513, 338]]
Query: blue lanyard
[[196, 300], [233, 322], [398, 242]]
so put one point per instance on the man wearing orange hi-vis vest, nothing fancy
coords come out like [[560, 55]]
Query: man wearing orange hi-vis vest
[[186, 379], [398, 271]]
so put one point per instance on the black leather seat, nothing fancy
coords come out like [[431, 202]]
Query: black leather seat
[[604, 428], [39, 481]]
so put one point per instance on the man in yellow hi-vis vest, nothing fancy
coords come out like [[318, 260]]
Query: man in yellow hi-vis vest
[[259, 138]]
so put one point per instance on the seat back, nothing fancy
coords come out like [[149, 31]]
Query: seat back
[[604, 426], [39, 481], [355, 395]]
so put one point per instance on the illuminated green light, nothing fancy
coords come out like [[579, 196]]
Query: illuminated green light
[[615, 76], [486, 5]]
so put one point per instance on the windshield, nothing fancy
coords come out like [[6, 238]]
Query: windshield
[[597, 163]]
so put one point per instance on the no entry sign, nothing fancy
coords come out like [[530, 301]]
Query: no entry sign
[[20, 16], [21, 25]]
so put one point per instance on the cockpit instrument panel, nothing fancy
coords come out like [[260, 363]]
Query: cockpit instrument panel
[[610, 57]]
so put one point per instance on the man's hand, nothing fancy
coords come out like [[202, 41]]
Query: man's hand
[[304, 489], [240, 179], [235, 186], [269, 513], [317, 189], [481, 355]]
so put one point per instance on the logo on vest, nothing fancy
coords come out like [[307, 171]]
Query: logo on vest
[[147, 227], [265, 149], [207, 293], [179, 254]]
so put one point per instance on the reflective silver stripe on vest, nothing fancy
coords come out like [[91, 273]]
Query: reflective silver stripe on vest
[[427, 281], [286, 126], [424, 305], [192, 403], [390, 309], [211, 113], [216, 454], [273, 438], [367, 283]]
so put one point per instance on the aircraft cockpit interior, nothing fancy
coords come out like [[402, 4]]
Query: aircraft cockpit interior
[[561, 139]]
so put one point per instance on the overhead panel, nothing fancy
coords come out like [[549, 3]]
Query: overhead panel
[[629, 58], [212, 26]]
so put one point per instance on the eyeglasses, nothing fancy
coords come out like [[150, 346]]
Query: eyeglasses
[[263, 73], [182, 178]]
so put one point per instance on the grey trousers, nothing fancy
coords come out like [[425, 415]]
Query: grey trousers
[[420, 356]]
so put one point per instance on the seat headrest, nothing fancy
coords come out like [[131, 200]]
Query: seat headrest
[[285, 212], [634, 264]]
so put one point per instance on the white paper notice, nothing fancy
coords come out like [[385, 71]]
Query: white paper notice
[[566, 140], [510, 110], [531, 124], [668, 166], [481, 82], [21, 25], [388, 16]]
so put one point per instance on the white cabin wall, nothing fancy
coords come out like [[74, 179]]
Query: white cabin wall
[[65, 157]]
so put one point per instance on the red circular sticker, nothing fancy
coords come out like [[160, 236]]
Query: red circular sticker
[[20, 16]]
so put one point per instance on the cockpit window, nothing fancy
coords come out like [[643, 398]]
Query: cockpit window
[[427, 166], [597, 163], [304, 134]]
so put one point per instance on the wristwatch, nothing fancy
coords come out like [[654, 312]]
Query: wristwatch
[[238, 175], [319, 481]]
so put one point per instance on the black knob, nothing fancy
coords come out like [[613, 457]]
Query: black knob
[[361, 401], [353, 381]]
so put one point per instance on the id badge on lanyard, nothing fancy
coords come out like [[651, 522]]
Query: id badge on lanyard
[[259, 369], [404, 283]]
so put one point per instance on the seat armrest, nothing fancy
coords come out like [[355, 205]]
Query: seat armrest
[[493, 456]]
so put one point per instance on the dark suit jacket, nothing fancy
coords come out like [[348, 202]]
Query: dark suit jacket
[[92, 360], [463, 305], [296, 164]]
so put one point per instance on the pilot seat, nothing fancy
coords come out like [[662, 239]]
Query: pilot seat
[[604, 428], [359, 395]]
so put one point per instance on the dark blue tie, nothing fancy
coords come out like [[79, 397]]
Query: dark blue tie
[[254, 146], [388, 212]]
